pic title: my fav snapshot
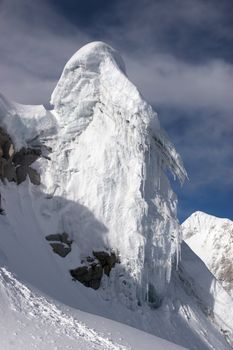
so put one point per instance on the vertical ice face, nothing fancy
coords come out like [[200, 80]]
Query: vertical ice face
[[111, 155]]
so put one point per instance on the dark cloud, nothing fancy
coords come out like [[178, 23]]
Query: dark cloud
[[192, 30]]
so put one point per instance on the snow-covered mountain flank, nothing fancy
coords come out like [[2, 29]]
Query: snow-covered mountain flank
[[89, 216], [211, 238]]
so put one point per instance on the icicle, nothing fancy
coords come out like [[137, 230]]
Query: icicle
[[159, 170], [178, 245]]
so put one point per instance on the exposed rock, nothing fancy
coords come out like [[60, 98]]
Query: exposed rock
[[26, 156], [107, 261], [6, 145], [61, 243], [34, 176], [59, 237], [89, 259], [61, 249], [15, 166], [21, 174], [7, 170], [92, 272], [90, 275]]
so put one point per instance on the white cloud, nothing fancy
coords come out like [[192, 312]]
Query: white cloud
[[35, 43], [168, 81]]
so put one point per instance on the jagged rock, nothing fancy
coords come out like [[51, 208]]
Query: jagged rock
[[6, 145], [7, 170], [61, 249], [7, 150], [15, 166], [59, 237], [34, 176], [107, 261], [22, 160], [92, 272], [26, 156], [21, 174], [61, 243], [89, 259], [90, 275]]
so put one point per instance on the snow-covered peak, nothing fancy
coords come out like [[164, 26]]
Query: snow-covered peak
[[211, 238], [105, 172], [93, 54], [95, 77], [94, 82]]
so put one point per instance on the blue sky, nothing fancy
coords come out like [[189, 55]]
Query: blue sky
[[179, 54]]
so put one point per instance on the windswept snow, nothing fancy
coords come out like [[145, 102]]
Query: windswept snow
[[30, 321], [110, 156], [211, 238], [26, 124]]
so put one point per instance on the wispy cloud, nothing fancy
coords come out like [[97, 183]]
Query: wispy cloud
[[35, 43], [171, 82]]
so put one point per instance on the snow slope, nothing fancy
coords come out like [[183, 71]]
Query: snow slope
[[30, 321], [188, 315], [103, 182], [211, 238]]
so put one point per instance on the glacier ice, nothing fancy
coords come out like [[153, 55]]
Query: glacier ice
[[111, 154]]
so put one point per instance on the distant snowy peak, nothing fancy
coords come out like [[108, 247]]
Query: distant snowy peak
[[211, 238], [205, 224]]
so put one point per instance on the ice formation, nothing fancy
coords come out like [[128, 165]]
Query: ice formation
[[108, 156], [111, 155]]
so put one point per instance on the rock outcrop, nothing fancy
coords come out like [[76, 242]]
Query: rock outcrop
[[60, 243], [16, 166], [7, 168], [92, 272], [107, 261], [89, 275]]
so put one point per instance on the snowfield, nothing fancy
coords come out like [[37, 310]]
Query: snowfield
[[103, 183], [28, 320]]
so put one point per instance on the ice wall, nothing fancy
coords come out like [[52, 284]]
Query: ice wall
[[111, 155]]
